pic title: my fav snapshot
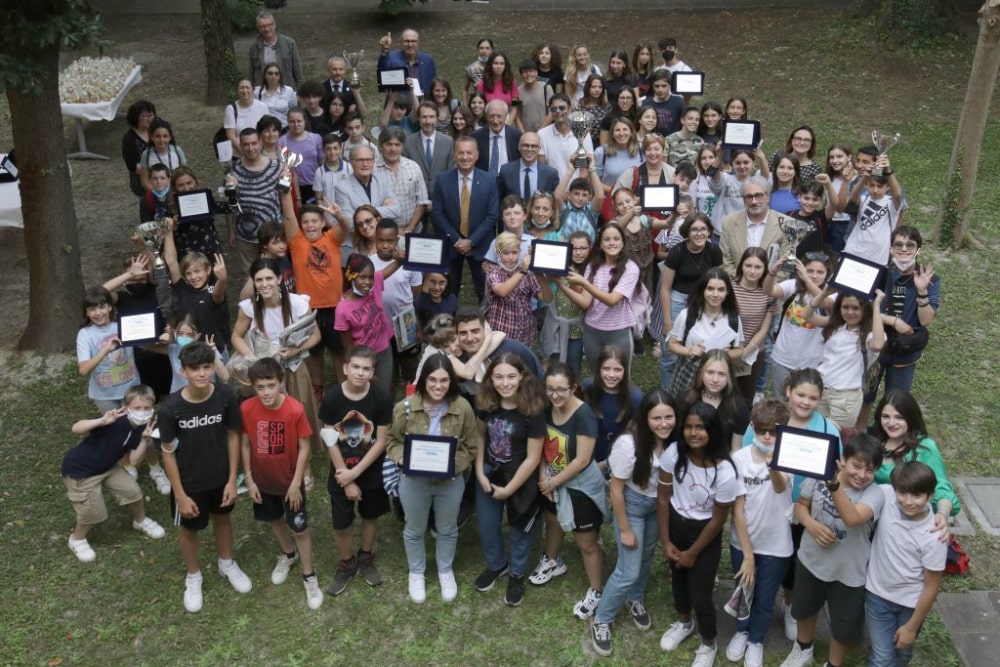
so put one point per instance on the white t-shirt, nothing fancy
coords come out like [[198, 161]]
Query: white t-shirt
[[902, 549], [695, 496], [557, 149], [842, 366], [714, 335], [621, 461], [872, 233], [765, 510], [799, 343], [273, 321], [245, 116], [398, 288]]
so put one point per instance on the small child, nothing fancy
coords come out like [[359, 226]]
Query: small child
[[275, 453], [637, 226], [435, 299], [93, 464], [153, 204], [174, 340], [161, 150], [684, 144], [582, 205], [670, 235], [397, 298], [198, 288], [333, 169], [807, 227], [100, 354], [271, 244], [838, 516], [513, 214], [904, 571], [511, 289], [200, 429], [442, 338]]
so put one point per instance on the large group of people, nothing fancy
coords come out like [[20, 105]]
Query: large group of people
[[730, 290]]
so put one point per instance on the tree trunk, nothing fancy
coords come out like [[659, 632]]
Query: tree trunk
[[55, 281], [220, 56], [964, 166]]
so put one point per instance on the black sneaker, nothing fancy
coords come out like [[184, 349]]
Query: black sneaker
[[515, 590], [366, 563], [639, 615], [600, 638], [345, 572], [488, 577]]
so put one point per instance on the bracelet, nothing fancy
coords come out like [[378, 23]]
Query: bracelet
[[922, 296], [923, 302], [661, 482]]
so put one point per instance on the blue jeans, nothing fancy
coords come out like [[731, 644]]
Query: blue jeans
[[574, 355], [490, 515], [770, 570], [631, 574], [884, 618], [768, 347], [418, 495], [678, 302]]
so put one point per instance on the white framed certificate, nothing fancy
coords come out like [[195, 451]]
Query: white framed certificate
[[429, 456], [424, 253], [195, 206], [656, 198], [858, 276], [807, 453], [550, 257], [140, 328], [392, 79], [688, 83], [741, 134]]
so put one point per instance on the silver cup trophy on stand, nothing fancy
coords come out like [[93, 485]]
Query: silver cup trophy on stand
[[152, 234], [883, 142], [582, 123], [354, 59], [289, 161]]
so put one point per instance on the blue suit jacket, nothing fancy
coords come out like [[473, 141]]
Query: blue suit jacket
[[484, 209], [512, 137], [396, 60], [511, 179]]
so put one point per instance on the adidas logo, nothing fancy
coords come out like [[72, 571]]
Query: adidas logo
[[195, 422]]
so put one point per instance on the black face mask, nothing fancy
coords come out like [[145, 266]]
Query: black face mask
[[668, 55]]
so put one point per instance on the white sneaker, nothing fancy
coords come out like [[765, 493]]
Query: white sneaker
[[418, 590], [282, 568], [149, 528], [798, 657], [449, 587], [675, 634], [586, 607], [237, 579], [737, 646], [159, 478], [705, 656], [81, 549], [547, 569], [791, 625], [314, 596], [754, 656], [192, 593]]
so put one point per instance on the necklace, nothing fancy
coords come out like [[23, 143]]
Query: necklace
[[714, 319], [697, 258]]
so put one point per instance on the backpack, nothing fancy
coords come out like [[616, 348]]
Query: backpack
[[220, 134]]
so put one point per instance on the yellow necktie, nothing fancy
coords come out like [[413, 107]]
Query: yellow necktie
[[463, 225]]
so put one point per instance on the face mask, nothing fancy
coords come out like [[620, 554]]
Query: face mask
[[184, 341], [905, 265], [761, 447], [161, 194], [482, 59], [358, 292], [668, 55], [139, 417], [541, 225]]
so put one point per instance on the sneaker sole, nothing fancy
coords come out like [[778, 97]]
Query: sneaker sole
[[549, 576]]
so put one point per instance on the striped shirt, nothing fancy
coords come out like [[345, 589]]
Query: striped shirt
[[754, 307], [612, 318], [258, 197]]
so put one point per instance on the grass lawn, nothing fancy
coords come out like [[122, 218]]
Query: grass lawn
[[125, 608]]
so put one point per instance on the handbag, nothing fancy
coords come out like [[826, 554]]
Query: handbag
[[904, 344]]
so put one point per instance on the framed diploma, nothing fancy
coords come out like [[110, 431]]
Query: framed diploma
[[550, 257], [688, 83], [8, 170], [195, 206], [424, 253], [858, 276], [140, 328], [807, 453], [656, 198], [404, 328], [741, 134], [429, 456], [392, 79]]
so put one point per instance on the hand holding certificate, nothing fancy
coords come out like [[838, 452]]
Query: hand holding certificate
[[858, 276], [741, 134], [550, 257], [429, 456], [806, 453], [424, 253]]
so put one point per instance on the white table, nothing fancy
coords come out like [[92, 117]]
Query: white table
[[97, 111], [10, 203]]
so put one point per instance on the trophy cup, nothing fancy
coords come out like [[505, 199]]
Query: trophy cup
[[883, 142], [289, 161], [581, 122], [354, 59], [152, 234]]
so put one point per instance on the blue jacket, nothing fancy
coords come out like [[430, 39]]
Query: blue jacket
[[484, 210]]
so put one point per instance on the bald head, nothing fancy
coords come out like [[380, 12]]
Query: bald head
[[529, 146]]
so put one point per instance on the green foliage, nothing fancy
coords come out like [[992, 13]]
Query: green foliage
[[951, 215], [912, 24], [393, 7], [31, 26], [243, 14]]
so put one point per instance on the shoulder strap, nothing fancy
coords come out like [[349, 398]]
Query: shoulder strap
[[784, 311], [734, 322], [688, 324]]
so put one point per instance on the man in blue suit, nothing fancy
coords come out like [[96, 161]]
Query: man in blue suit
[[465, 211], [527, 176], [419, 66], [497, 141]]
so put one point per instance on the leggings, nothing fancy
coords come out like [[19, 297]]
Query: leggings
[[692, 587]]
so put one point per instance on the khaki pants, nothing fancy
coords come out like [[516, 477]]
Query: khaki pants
[[88, 500]]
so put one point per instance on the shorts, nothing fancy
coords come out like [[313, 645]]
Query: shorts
[[842, 406], [88, 499], [373, 504], [208, 502], [271, 508], [846, 604], [586, 514], [325, 318]]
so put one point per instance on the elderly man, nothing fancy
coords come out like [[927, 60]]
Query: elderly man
[[755, 226], [419, 66], [433, 151], [270, 47], [497, 142], [364, 186], [526, 176], [408, 187], [558, 142]]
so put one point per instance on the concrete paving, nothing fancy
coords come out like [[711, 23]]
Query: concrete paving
[[981, 497], [973, 619]]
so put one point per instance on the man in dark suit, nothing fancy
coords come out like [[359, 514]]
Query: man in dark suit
[[465, 211], [497, 142], [337, 66], [526, 176], [441, 148]]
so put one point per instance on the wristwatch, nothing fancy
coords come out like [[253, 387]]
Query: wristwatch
[[833, 486]]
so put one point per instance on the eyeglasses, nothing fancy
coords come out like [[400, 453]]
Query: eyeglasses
[[755, 196], [362, 160], [530, 147], [581, 249], [698, 230], [904, 245], [802, 140], [557, 391], [765, 430], [558, 109], [273, 73]]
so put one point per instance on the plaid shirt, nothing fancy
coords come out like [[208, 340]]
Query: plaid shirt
[[408, 187], [512, 314]]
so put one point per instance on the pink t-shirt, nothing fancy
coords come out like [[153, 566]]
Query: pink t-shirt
[[365, 318], [612, 318], [498, 92]]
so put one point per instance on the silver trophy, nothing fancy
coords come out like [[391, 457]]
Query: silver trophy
[[152, 234], [354, 59], [582, 123], [883, 142], [289, 161]]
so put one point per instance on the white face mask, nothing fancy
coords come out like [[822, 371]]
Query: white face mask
[[905, 265], [764, 449], [139, 417]]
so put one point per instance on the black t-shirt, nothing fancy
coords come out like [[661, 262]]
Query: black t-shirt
[[668, 114], [806, 233], [507, 434], [559, 446], [100, 450], [688, 268], [213, 318], [553, 77], [356, 423], [427, 309], [202, 434]]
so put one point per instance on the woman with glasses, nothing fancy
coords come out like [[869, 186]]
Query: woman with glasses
[[136, 140], [278, 97], [245, 112], [802, 144], [624, 104]]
